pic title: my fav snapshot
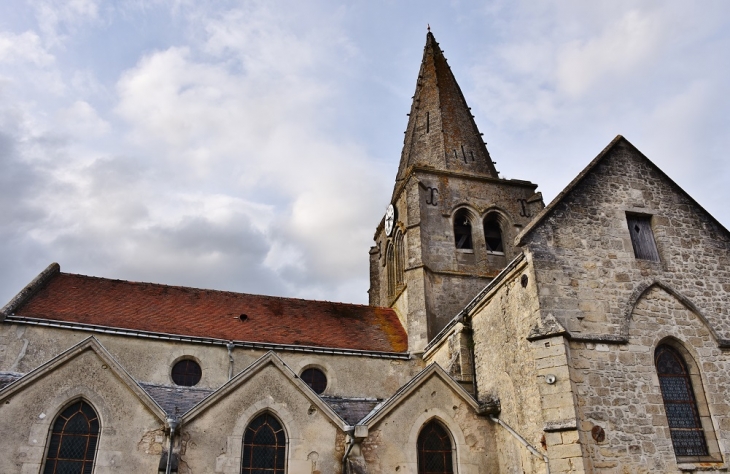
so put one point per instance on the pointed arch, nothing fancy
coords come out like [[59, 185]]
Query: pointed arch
[[645, 288], [462, 226], [73, 440], [395, 263], [435, 449], [685, 405], [493, 232], [264, 446]]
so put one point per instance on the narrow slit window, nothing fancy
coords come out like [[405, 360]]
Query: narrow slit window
[[462, 231], [642, 237], [390, 268]]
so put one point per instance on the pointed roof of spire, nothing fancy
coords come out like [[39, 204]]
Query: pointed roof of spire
[[441, 131]]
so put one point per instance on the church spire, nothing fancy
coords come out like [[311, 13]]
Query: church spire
[[441, 131]]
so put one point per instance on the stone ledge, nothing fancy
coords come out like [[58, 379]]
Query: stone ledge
[[560, 425]]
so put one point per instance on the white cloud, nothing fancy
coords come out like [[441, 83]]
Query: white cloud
[[81, 120], [23, 48], [57, 20], [623, 46]]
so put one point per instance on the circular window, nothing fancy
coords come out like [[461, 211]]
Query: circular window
[[315, 378], [186, 373]]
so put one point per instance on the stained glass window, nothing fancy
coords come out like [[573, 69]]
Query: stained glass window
[[434, 450], [74, 436], [680, 405], [186, 372], [264, 446], [315, 378]]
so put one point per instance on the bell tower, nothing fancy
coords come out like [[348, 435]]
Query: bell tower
[[451, 222]]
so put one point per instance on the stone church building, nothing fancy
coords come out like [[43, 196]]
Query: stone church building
[[502, 336]]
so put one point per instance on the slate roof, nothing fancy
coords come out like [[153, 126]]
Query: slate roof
[[455, 143], [6, 378], [211, 314], [351, 410], [173, 399]]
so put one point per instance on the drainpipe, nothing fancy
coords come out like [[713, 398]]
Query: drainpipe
[[354, 435], [230, 347], [524, 442], [172, 423], [349, 443]]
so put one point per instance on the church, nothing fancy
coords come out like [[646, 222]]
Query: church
[[502, 336]]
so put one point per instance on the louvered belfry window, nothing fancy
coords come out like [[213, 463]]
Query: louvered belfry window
[[462, 231], [688, 437], [434, 450], [642, 237], [264, 446], [74, 436]]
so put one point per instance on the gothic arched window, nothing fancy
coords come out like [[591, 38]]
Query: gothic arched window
[[73, 441], [462, 230], [493, 234], [264, 446], [685, 427], [434, 450]]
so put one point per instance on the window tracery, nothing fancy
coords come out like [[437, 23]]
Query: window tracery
[[685, 427], [434, 450], [73, 441], [264, 446]]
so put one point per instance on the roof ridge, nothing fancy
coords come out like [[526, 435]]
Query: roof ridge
[[182, 287]]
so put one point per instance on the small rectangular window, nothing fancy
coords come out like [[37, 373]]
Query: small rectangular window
[[642, 237]]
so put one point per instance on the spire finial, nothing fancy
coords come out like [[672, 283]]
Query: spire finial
[[428, 27]]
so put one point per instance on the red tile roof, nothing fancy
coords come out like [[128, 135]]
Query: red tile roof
[[215, 314]]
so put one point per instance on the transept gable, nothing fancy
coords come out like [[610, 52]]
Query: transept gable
[[108, 362], [400, 398], [268, 360], [618, 142], [621, 225]]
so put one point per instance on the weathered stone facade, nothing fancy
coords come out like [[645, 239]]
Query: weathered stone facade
[[532, 332]]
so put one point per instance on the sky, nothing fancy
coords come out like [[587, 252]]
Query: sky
[[252, 146]]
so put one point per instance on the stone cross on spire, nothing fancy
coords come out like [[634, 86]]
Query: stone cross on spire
[[441, 131]]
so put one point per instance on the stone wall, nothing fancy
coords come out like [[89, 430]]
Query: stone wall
[[216, 435], [130, 438], [391, 443], [589, 281], [584, 258], [505, 364], [23, 348], [447, 278], [620, 394]]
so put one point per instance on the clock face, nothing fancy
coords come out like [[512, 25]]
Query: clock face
[[389, 220]]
